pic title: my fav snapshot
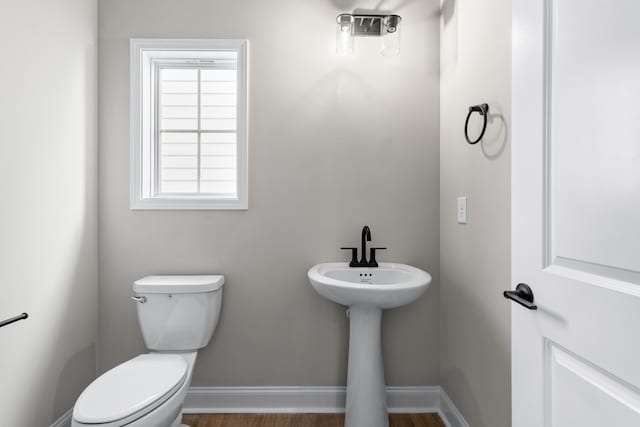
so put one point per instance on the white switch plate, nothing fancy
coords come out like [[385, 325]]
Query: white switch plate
[[462, 210]]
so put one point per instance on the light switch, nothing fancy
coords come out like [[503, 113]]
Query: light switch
[[462, 210]]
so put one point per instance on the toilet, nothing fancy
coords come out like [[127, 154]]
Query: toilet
[[177, 315]]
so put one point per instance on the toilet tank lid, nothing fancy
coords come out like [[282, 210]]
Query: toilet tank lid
[[178, 284]]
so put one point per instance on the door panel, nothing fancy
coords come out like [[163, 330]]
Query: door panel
[[594, 129], [575, 212], [581, 394]]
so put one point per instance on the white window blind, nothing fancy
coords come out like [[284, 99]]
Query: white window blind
[[197, 124], [189, 139]]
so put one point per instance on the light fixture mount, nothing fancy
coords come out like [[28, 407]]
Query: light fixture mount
[[367, 25]]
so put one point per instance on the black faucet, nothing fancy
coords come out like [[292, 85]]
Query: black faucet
[[366, 237], [363, 262]]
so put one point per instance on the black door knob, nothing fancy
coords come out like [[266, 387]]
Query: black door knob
[[523, 295]]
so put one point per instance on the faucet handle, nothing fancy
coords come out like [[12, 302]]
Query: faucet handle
[[372, 258], [354, 257]]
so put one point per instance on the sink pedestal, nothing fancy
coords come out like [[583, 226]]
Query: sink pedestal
[[366, 394]]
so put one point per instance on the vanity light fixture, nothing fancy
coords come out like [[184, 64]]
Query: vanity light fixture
[[350, 26]]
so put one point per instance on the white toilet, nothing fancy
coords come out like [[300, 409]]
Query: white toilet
[[177, 316]]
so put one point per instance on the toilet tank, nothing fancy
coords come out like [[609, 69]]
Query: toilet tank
[[178, 313]]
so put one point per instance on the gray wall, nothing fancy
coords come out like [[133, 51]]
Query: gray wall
[[335, 143], [475, 264], [48, 219]]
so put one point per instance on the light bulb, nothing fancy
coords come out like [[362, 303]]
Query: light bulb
[[344, 34], [391, 35]]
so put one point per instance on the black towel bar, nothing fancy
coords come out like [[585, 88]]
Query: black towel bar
[[13, 319]]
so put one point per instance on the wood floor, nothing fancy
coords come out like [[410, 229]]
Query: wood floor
[[302, 420]]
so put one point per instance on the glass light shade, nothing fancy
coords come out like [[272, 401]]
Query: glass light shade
[[391, 35], [344, 34]]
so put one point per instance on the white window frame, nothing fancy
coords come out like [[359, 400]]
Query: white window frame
[[143, 159]]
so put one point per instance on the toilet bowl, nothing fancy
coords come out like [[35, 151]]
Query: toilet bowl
[[177, 315]]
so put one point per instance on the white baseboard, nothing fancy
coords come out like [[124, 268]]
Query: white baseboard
[[450, 413], [64, 420], [211, 400], [230, 400]]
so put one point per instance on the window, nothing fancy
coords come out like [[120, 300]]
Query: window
[[189, 124]]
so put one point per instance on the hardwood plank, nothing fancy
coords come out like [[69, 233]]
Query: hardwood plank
[[301, 420], [400, 420]]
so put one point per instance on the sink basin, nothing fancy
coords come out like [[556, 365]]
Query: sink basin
[[367, 291], [387, 286]]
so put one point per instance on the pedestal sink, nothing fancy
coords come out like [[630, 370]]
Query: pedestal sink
[[367, 291]]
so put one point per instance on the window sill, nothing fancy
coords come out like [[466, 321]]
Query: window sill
[[188, 204]]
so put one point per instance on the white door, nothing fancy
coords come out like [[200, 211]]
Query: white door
[[576, 212]]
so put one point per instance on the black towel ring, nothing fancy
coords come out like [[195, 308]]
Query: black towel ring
[[483, 109]]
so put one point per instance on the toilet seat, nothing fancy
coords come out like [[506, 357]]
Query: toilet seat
[[131, 390]]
